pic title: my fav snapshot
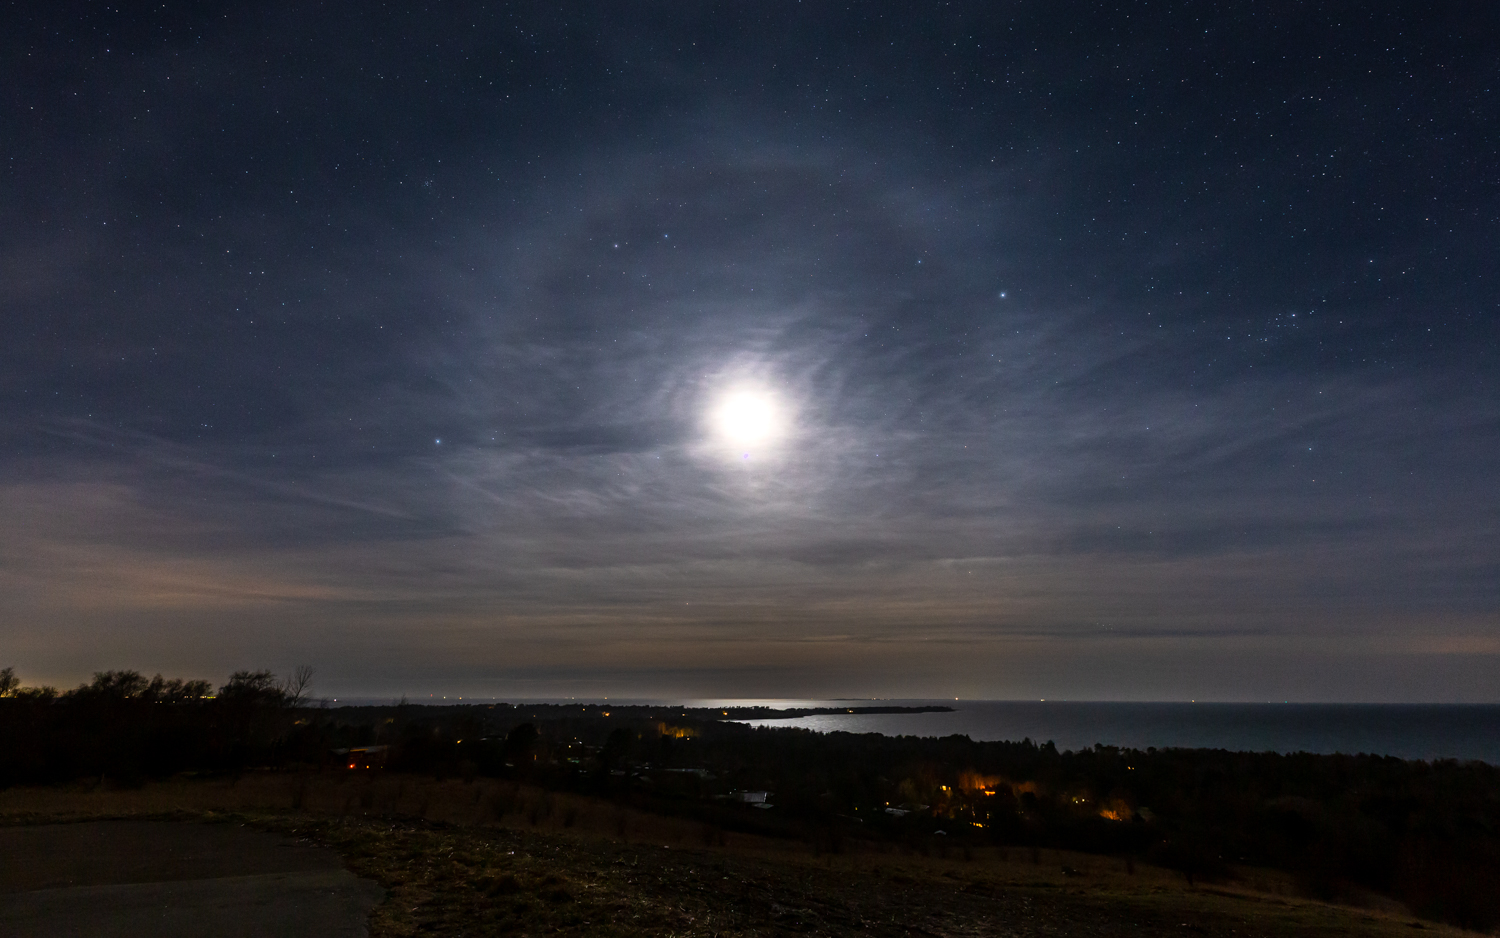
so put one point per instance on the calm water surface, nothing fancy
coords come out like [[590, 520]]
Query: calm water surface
[[1408, 731]]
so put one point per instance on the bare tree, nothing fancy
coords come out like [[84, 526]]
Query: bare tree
[[294, 689], [8, 682], [255, 686]]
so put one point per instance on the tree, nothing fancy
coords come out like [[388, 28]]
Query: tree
[[9, 683], [294, 688], [255, 687], [616, 747], [521, 741], [176, 691], [113, 685]]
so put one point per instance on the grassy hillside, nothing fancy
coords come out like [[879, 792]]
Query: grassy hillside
[[487, 857]]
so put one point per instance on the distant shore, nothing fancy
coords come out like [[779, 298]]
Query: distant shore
[[797, 713]]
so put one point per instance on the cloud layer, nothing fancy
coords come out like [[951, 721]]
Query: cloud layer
[[334, 348]]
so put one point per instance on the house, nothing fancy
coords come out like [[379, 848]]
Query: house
[[363, 757]]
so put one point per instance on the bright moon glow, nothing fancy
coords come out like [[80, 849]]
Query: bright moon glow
[[745, 418]]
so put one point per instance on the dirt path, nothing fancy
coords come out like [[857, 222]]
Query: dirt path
[[164, 879]]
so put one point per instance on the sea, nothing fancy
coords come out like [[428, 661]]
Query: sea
[[1407, 731]]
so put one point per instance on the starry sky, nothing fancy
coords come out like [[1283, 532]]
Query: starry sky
[[1108, 351]]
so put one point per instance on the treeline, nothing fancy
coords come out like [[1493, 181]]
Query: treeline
[[1426, 833], [125, 728]]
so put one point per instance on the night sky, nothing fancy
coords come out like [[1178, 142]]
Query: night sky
[[1002, 350]]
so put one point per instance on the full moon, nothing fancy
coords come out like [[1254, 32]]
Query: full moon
[[747, 418]]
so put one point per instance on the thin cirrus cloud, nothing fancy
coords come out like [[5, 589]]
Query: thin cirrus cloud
[[438, 411]]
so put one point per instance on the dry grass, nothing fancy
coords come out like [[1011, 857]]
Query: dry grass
[[492, 858], [364, 795]]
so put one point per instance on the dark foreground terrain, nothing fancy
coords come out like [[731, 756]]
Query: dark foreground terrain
[[488, 858], [895, 825], [175, 879]]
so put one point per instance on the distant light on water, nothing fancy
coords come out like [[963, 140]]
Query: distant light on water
[[1406, 731]]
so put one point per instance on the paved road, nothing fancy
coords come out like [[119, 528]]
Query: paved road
[[123, 879]]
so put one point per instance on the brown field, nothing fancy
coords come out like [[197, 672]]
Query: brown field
[[485, 857]]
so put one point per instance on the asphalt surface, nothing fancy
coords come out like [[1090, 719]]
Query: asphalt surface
[[123, 879]]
